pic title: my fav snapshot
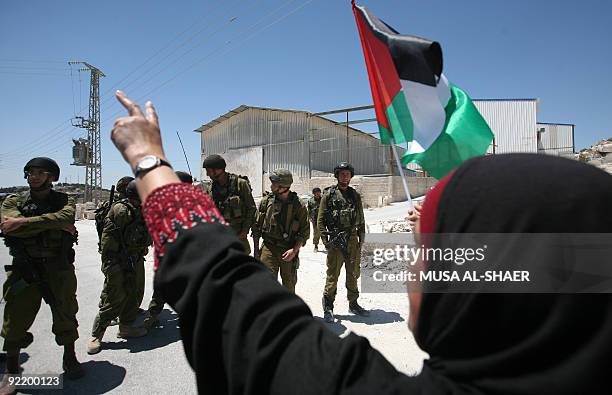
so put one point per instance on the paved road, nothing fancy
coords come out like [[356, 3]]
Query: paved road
[[153, 364], [157, 364]]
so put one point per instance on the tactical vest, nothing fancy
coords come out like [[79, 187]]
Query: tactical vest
[[341, 209], [230, 206], [135, 234], [313, 208], [48, 243], [272, 231]]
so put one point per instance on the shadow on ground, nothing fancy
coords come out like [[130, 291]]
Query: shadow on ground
[[100, 378], [23, 358], [335, 326], [167, 332], [377, 316]]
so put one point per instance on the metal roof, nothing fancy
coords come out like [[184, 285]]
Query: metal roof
[[243, 107]]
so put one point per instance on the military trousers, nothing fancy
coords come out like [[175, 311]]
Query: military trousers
[[23, 302], [335, 260], [156, 305], [315, 233], [120, 295], [140, 282], [271, 257]]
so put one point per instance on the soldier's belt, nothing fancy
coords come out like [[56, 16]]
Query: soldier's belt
[[275, 245]]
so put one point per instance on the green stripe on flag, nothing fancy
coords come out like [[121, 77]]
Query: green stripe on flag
[[465, 135], [400, 121]]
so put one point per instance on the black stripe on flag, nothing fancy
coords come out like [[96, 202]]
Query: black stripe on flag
[[416, 59]]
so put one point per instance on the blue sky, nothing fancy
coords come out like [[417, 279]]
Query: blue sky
[[199, 59]]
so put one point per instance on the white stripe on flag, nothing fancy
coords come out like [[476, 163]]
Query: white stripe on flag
[[427, 111]]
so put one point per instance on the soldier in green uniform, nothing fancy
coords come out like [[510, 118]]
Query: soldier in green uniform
[[38, 228], [157, 303], [313, 214], [101, 212], [125, 242], [232, 196], [342, 226], [282, 222]]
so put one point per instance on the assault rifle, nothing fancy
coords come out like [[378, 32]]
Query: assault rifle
[[32, 272], [124, 257], [339, 239]]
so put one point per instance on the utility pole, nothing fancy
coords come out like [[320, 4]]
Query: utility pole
[[87, 152]]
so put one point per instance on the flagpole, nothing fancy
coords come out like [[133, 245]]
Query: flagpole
[[401, 172]]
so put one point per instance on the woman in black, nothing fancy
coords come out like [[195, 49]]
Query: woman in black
[[244, 333]]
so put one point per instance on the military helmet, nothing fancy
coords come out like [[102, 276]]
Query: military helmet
[[315, 190], [122, 184], [45, 163], [282, 177], [343, 166], [214, 161], [130, 190], [184, 176]]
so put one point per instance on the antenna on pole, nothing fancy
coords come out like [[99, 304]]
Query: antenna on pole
[[86, 152], [180, 141]]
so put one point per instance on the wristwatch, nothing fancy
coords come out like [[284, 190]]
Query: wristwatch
[[149, 163]]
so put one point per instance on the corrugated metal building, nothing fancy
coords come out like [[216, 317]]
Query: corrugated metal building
[[556, 139], [256, 140], [306, 144], [513, 123]]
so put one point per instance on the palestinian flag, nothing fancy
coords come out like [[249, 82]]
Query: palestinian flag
[[415, 103]]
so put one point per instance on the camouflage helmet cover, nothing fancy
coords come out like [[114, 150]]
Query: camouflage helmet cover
[[214, 161], [130, 190], [123, 183], [282, 177]]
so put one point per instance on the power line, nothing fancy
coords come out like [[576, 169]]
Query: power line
[[47, 74], [34, 68], [26, 147], [162, 49], [111, 98], [226, 45], [235, 44], [31, 61]]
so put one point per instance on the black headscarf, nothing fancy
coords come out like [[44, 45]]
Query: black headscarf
[[521, 343]]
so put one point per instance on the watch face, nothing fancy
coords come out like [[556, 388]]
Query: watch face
[[147, 162]]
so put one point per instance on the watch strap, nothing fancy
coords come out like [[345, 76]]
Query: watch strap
[[161, 162]]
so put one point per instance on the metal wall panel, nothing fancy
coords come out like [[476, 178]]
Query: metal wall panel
[[279, 133], [331, 143], [302, 142], [556, 139], [285, 137], [513, 123]]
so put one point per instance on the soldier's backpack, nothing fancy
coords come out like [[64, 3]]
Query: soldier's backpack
[[101, 213]]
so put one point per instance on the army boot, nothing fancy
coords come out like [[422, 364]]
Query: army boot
[[12, 367], [328, 310], [12, 361], [151, 321], [358, 310], [94, 344], [127, 331], [72, 367]]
